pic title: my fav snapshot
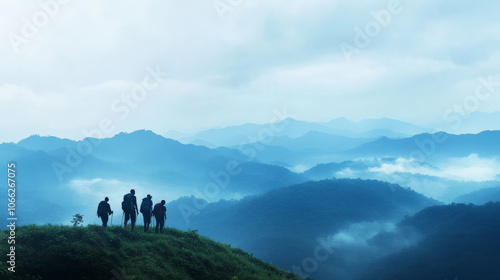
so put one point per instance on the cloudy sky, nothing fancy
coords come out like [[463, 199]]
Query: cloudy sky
[[70, 68]]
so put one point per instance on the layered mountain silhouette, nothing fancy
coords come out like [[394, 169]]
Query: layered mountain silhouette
[[61, 170], [429, 146], [236, 135], [457, 241], [481, 196], [251, 186], [282, 226]]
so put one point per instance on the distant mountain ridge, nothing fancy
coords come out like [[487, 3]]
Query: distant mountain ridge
[[450, 145], [371, 128], [60, 174], [474, 122], [481, 196]]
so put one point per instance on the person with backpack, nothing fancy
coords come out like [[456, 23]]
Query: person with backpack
[[129, 206], [103, 211], [160, 213], [146, 209]]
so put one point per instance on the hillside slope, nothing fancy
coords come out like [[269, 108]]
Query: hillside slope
[[481, 196], [283, 225], [458, 241], [61, 252]]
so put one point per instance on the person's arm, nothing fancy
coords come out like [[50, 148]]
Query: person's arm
[[98, 206], [135, 205], [109, 209], [165, 212]]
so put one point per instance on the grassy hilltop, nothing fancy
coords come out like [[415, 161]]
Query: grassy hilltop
[[92, 252]]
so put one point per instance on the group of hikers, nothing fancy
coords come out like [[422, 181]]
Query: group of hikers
[[131, 211]]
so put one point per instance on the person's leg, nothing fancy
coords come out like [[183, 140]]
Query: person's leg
[[148, 221], [127, 216], [157, 223], [104, 220], [145, 224], [162, 223], [132, 220]]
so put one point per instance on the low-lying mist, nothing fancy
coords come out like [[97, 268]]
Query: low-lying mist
[[445, 180]]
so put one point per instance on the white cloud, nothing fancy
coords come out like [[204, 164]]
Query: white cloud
[[265, 54], [360, 233], [473, 168], [328, 74], [403, 165]]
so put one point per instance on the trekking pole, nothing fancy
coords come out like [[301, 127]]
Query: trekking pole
[[111, 219], [123, 217]]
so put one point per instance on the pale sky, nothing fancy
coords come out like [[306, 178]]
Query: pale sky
[[68, 66]]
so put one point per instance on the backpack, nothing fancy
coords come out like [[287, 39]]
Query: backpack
[[101, 209], [158, 210], [146, 205], [128, 203]]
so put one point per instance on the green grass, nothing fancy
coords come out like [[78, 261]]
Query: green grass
[[92, 252]]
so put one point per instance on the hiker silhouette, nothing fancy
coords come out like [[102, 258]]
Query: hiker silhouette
[[129, 207], [103, 211], [160, 213], [146, 209]]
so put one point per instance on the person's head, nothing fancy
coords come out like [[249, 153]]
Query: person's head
[[149, 196], [132, 191], [106, 199], [163, 202]]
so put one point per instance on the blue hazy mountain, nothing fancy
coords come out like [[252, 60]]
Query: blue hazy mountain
[[247, 133], [480, 197], [44, 143], [306, 150], [319, 142], [282, 226], [419, 176], [457, 241], [67, 179], [162, 160], [236, 135], [447, 145], [38, 191], [474, 122], [379, 127]]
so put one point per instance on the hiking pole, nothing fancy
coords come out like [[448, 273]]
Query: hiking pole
[[111, 219]]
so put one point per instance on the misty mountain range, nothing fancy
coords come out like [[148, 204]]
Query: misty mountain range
[[282, 226], [270, 192], [236, 135]]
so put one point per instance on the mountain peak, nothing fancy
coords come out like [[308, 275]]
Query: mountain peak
[[44, 143]]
